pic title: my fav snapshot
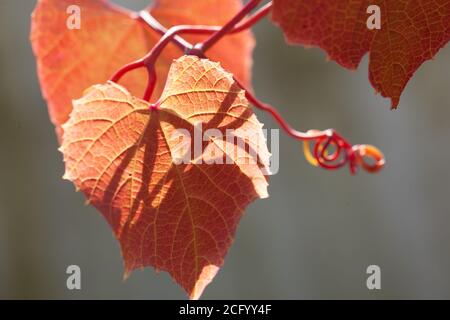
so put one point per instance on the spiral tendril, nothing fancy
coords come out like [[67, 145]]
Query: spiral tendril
[[331, 151]]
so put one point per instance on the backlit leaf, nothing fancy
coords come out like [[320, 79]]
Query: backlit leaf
[[180, 218], [412, 32]]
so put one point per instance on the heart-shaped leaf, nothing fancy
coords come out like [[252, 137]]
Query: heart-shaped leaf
[[182, 217]]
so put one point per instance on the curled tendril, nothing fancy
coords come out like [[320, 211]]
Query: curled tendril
[[369, 152], [331, 151]]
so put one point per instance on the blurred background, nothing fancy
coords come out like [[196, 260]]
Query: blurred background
[[313, 238]]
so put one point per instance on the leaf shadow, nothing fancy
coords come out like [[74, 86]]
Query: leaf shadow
[[191, 211]]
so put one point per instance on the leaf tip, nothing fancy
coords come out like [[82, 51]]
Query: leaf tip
[[394, 103], [126, 275], [204, 279], [66, 176]]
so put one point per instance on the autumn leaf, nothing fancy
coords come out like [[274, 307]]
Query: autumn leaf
[[412, 32], [180, 218], [69, 61]]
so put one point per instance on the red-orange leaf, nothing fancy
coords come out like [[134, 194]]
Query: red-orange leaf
[[178, 218], [412, 32], [69, 61]]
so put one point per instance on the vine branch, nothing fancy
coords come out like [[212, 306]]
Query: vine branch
[[330, 150], [215, 37], [146, 17], [184, 45]]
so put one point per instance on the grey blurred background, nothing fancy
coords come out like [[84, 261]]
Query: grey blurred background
[[313, 238]]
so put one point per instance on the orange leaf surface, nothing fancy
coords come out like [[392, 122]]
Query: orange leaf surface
[[69, 61], [412, 32], [180, 218]]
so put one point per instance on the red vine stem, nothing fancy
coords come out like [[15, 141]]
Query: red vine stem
[[150, 59], [184, 45], [330, 150], [252, 4], [173, 35], [254, 18], [145, 16]]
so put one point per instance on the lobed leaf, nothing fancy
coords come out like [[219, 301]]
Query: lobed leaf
[[180, 218], [412, 32]]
